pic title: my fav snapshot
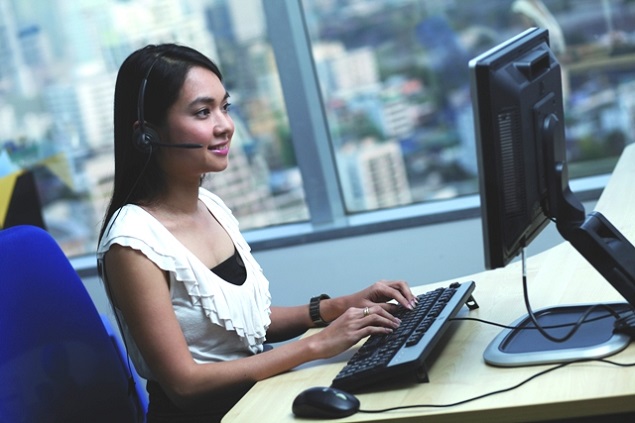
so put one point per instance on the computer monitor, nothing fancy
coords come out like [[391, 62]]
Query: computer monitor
[[519, 120], [510, 86], [516, 92]]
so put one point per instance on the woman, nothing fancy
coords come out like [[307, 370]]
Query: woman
[[194, 305]]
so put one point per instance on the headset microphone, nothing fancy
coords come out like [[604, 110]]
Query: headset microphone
[[162, 144]]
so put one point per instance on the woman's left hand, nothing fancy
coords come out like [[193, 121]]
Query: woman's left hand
[[380, 293], [376, 295]]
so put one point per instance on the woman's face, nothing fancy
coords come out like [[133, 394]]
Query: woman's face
[[199, 116]]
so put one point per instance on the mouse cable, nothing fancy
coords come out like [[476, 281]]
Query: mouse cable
[[500, 391]]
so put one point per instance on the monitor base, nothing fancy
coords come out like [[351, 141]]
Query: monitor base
[[523, 346]]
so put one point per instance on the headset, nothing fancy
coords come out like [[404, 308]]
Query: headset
[[144, 136]]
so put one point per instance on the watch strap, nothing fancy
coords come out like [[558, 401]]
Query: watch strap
[[314, 310]]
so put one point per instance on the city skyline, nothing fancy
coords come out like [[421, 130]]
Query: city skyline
[[393, 94]]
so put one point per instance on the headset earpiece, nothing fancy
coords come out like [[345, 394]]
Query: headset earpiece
[[143, 138]]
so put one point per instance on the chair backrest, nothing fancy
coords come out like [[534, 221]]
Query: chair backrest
[[57, 360]]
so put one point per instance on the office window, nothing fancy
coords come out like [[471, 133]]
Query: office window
[[370, 111], [393, 78], [58, 64]]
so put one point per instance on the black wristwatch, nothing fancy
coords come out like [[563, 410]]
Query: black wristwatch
[[314, 310]]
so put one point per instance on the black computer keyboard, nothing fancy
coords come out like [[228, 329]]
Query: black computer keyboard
[[405, 350]]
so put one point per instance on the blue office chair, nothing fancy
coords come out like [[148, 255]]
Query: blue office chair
[[60, 361]]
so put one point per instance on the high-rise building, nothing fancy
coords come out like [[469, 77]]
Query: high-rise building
[[373, 175]]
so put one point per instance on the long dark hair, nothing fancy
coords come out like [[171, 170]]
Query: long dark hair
[[138, 177]]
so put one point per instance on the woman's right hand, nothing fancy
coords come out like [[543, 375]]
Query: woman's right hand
[[352, 326]]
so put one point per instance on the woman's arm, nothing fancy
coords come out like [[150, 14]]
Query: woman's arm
[[140, 290]]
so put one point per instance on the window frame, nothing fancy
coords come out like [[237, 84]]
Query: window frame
[[307, 121]]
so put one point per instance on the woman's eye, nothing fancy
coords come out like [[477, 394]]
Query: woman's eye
[[226, 107], [203, 113]]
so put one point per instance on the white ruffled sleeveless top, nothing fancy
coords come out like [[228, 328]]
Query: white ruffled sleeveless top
[[220, 321]]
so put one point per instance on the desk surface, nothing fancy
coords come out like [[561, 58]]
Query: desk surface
[[557, 276]]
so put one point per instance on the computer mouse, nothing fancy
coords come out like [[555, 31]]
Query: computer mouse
[[325, 402]]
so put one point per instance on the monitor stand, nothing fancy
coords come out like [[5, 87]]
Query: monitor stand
[[524, 346]]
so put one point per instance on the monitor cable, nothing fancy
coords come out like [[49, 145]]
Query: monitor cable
[[625, 319], [581, 320]]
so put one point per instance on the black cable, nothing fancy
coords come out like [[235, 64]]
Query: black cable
[[500, 391], [511, 327], [542, 330], [584, 318], [134, 186]]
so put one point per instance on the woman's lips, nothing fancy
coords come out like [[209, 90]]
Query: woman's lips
[[221, 149]]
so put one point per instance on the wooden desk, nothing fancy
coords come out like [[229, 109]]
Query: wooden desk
[[557, 276]]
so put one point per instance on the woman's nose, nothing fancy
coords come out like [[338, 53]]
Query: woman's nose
[[224, 125]]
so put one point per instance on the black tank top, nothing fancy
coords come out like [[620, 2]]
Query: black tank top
[[232, 270]]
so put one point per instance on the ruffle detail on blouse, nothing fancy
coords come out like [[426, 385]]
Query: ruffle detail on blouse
[[244, 309]]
